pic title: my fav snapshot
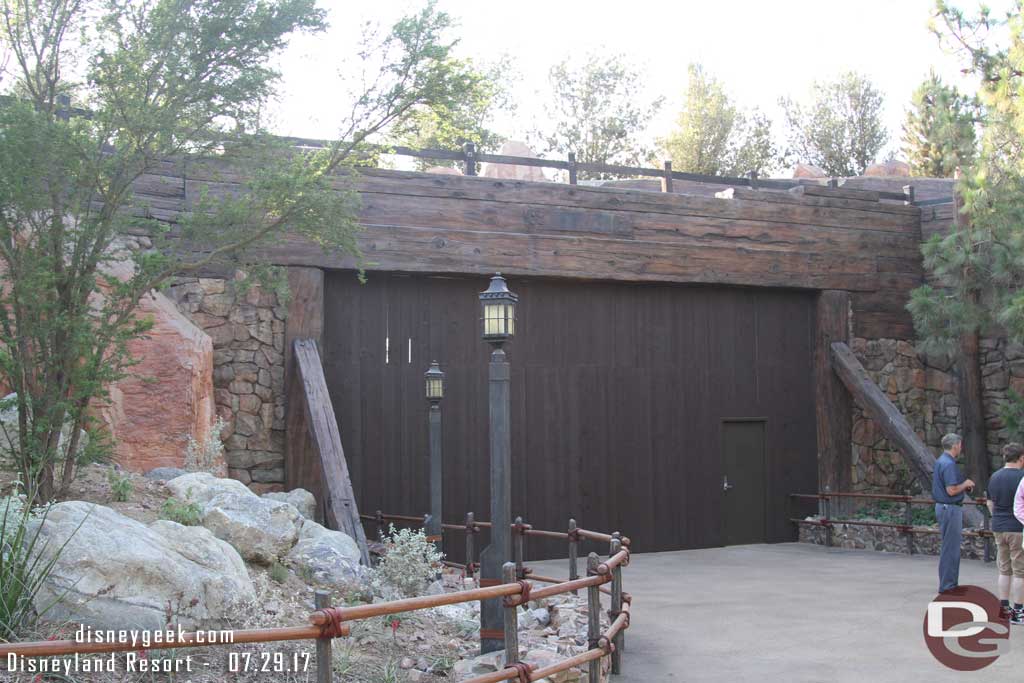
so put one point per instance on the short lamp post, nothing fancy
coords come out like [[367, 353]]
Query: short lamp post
[[499, 324], [434, 380]]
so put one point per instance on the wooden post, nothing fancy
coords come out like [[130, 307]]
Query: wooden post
[[908, 190], [666, 180], [380, 526], [508, 573], [305, 321], [828, 517], [833, 183], [752, 175], [520, 548], [833, 407], [616, 606], [470, 532], [574, 549], [593, 620], [573, 174], [908, 519], [469, 159], [324, 658]]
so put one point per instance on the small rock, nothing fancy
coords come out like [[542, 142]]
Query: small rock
[[165, 473], [407, 663], [302, 499], [542, 615]]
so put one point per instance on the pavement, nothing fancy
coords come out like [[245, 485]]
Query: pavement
[[789, 612]]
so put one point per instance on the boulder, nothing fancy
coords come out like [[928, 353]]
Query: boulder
[[808, 171], [900, 169], [203, 487], [326, 557], [260, 529], [514, 148], [116, 572], [302, 499], [165, 473], [168, 397]]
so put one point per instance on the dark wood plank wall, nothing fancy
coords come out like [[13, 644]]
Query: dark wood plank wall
[[618, 394], [418, 222]]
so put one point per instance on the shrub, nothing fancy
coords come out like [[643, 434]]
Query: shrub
[[189, 512], [278, 572], [24, 567], [409, 564], [121, 486], [206, 455]]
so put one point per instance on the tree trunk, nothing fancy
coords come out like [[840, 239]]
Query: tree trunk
[[972, 412]]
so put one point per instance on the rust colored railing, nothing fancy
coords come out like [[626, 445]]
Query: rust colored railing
[[327, 623], [826, 499]]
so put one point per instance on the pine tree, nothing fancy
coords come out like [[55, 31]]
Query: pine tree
[[939, 135]]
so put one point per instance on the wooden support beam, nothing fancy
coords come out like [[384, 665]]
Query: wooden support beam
[[889, 419], [341, 512], [305, 320], [833, 406]]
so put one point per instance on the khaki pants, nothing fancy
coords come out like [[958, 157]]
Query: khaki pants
[[1009, 553]]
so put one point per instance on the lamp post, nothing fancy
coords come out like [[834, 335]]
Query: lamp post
[[434, 382], [499, 319]]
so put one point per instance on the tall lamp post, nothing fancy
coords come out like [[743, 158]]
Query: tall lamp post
[[499, 321], [434, 381]]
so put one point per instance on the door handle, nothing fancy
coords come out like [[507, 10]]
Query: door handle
[[726, 486]]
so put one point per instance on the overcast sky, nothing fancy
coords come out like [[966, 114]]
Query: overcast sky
[[761, 50]]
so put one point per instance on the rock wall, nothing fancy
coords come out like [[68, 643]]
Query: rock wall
[[247, 329], [888, 540], [924, 389]]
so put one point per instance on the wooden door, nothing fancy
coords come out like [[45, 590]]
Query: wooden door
[[744, 481]]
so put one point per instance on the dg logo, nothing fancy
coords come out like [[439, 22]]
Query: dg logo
[[963, 630]]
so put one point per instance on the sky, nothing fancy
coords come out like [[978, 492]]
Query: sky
[[760, 50]]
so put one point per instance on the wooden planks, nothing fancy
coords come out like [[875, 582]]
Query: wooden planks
[[341, 512], [832, 402]]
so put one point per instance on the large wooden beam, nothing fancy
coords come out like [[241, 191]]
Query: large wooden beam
[[305, 320], [341, 512], [833, 405], [889, 419]]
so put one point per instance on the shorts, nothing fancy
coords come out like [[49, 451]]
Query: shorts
[[1009, 553]]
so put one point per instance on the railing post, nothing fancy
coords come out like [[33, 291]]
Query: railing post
[[988, 527], [616, 607], [908, 519], [574, 549], [752, 175], [520, 548], [324, 658], [470, 532], [593, 620], [833, 183], [828, 517], [666, 180], [380, 526], [469, 158], [573, 173], [908, 190], [508, 574]]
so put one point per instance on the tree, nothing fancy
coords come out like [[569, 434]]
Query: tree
[[977, 268], [714, 137], [938, 135], [840, 129], [597, 113], [152, 82], [468, 119]]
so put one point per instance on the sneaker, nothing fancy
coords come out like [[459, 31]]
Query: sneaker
[[1018, 617], [1005, 613]]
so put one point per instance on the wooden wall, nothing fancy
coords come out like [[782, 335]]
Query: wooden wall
[[415, 222]]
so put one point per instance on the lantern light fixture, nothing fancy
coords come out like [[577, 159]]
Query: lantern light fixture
[[499, 311], [434, 382]]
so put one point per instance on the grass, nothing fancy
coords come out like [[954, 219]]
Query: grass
[[188, 513]]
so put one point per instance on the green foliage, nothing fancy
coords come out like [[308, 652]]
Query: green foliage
[[714, 137], [121, 486], [451, 125], [188, 512], [24, 567], [596, 112], [410, 563], [1012, 414], [978, 267], [278, 572], [160, 80], [894, 513], [840, 128], [938, 134]]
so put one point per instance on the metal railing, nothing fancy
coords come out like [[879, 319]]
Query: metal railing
[[826, 500], [328, 623]]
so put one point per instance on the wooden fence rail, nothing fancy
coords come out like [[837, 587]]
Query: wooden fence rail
[[328, 623]]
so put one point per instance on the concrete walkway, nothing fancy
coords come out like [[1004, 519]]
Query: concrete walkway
[[789, 612]]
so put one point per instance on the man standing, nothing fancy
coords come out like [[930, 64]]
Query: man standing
[[948, 487], [1002, 490]]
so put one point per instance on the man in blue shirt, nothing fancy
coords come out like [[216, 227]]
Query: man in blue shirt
[[948, 487]]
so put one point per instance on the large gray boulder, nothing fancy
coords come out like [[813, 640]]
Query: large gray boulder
[[261, 529], [202, 487], [116, 572], [302, 499], [326, 557]]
